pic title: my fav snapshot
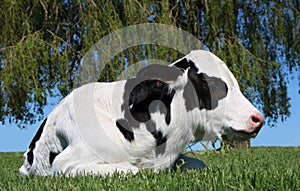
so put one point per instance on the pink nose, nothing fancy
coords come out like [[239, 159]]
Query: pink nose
[[256, 122]]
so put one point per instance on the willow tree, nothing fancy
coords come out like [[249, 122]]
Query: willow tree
[[42, 43]]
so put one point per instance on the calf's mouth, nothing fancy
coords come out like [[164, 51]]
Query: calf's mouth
[[233, 135]]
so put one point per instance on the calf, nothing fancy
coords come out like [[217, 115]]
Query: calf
[[144, 122]]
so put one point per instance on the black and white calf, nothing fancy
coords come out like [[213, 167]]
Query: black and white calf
[[144, 122]]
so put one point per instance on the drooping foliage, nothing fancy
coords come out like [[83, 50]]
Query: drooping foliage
[[42, 43]]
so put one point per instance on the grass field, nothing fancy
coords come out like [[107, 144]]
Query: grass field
[[261, 168]]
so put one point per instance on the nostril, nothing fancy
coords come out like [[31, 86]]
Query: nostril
[[257, 120]]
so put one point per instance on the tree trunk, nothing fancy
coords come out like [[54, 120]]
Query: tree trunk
[[238, 144]]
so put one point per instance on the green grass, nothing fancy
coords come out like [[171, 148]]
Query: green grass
[[261, 168]]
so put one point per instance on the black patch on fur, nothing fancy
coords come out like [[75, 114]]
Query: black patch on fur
[[183, 64], [34, 140], [125, 129], [30, 157], [161, 142], [52, 156], [148, 97], [160, 139], [150, 84], [148, 93], [208, 90]]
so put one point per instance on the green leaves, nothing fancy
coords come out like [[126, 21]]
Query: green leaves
[[42, 43]]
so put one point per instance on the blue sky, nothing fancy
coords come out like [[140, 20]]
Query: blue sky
[[285, 134]]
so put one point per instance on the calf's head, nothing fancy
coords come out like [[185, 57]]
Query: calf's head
[[224, 111]]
